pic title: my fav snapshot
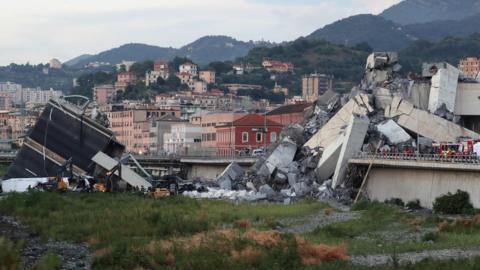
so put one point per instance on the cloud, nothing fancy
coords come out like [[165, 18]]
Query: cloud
[[37, 30]]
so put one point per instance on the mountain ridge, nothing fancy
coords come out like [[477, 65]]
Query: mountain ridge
[[203, 51]]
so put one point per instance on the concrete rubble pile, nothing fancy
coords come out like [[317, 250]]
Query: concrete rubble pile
[[384, 113]]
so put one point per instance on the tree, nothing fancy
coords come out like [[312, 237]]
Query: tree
[[221, 67], [140, 68], [177, 61]]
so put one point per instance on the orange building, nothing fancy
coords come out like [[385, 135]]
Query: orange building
[[470, 67], [289, 114]]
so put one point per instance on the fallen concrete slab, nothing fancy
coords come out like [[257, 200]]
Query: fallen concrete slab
[[444, 88], [394, 133], [431, 126], [281, 157], [328, 162], [230, 175], [337, 124], [354, 139], [127, 174]]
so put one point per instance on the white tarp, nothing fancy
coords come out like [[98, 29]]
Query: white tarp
[[22, 184], [393, 132]]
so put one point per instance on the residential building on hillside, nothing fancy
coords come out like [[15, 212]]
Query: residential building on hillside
[[6, 102], [189, 68], [277, 66], [160, 70], [200, 87], [131, 128], [123, 80], [289, 114], [207, 76], [246, 134], [315, 85], [186, 78], [470, 67], [183, 139], [104, 94]]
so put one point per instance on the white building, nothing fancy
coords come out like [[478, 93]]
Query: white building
[[189, 68], [37, 96], [126, 64], [183, 139]]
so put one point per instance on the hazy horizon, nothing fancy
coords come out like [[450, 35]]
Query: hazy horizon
[[35, 31]]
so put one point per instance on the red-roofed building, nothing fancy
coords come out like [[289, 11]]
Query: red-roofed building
[[277, 66], [289, 114], [246, 134]]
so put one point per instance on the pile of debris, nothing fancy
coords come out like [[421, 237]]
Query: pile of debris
[[385, 113]]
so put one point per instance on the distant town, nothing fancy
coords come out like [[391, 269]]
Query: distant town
[[199, 117]]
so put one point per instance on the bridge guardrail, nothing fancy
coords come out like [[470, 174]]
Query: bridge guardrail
[[467, 159]]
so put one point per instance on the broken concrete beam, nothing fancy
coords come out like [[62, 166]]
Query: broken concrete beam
[[378, 60], [419, 94], [337, 124], [126, 174], [429, 125], [281, 157], [394, 133], [444, 88], [354, 139], [383, 97], [326, 165]]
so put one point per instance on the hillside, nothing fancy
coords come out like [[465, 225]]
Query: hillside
[[375, 30], [423, 11], [438, 30], [76, 60], [133, 51], [202, 51], [450, 50], [315, 56]]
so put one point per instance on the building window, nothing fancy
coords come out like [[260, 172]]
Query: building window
[[273, 137], [244, 137], [259, 137]]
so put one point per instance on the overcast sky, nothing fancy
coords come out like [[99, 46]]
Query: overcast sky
[[37, 30]]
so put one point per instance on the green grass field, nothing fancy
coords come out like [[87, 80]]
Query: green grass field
[[126, 231]]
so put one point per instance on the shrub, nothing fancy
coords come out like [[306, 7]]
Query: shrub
[[431, 236], [49, 261], [452, 204], [414, 205], [395, 201]]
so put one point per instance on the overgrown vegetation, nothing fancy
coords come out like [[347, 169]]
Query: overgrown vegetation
[[48, 261], [458, 203], [9, 255], [120, 227]]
